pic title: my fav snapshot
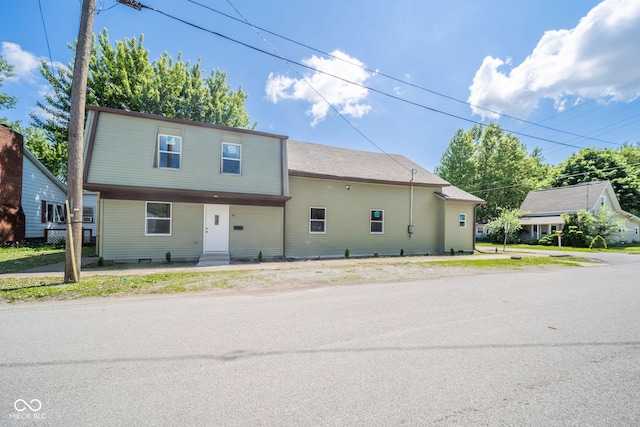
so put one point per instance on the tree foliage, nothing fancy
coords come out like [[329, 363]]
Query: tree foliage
[[492, 165], [581, 227], [6, 70], [121, 76], [618, 166], [496, 227]]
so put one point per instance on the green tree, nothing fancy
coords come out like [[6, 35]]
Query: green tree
[[6, 70], [495, 166], [581, 227], [591, 164], [121, 76], [496, 227]]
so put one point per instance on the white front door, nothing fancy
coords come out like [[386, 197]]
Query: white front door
[[216, 228]]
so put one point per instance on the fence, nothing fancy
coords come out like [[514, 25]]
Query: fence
[[58, 235]]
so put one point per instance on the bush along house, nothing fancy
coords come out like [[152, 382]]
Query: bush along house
[[214, 194]]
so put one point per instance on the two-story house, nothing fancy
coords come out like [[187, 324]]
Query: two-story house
[[213, 193]]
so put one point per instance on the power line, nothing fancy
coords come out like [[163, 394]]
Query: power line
[[396, 79], [333, 107], [46, 37], [435, 110]]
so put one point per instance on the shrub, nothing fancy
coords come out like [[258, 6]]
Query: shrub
[[548, 240], [346, 253], [100, 262], [168, 256], [531, 242], [401, 252], [260, 256], [598, 243]]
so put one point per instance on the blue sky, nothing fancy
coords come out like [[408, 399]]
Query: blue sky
[[571, 65]]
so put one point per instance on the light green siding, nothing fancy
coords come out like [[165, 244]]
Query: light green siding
[[455, 237], [348, 216], [126, 146], [261, 231], [123, 232]]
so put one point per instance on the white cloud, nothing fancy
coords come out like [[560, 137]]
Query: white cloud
[[595, 60], [25, 64], [345, 97]]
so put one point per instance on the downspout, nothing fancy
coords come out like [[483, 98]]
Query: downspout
[[284, 182], [410, 228]]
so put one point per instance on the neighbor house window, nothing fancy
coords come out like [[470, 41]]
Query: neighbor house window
[[231, 158], [462, 220], [53, 212], [158, 219], [317, 220], [169, 151], [376, 221], [87, 215]]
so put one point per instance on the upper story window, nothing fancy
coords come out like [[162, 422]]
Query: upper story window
[[169, 151], [317, 220], [462, 220], [231, 158], [158, 219], [376, 221]]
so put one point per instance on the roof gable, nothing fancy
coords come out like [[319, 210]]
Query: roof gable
[[323, 161], [570, 199]]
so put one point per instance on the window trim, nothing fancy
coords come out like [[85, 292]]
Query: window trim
[[323, 221], [178, 153], [88, 219], [372, 221], [58, 210], [223, 158], [147, 218], [462, 220]]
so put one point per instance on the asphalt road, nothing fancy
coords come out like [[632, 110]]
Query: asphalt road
[[557, 347]]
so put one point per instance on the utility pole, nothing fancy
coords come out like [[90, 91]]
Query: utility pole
[[73, 253]]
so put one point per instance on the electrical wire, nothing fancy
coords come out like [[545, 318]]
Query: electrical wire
[[308, 83], [398, 80], [416, 104], [46, 37]]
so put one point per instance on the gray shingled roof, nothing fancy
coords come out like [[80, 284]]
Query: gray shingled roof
[[323, 161], [570, 199], [455, 193]]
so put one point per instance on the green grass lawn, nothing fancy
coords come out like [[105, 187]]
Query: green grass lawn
[[632, 248], [31, 256]]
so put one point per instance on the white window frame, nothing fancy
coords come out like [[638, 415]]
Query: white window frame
[[224, 158], [147, 218], [462, 220], [374, 221], [317, 220], [57, 213], [88, 218], [170, 152]]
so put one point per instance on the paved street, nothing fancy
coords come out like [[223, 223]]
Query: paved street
[[559, 346]]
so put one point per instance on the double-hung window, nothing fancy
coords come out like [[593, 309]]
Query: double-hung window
[[462, 220], [158, 219], [231, 158], [376, 221], [317, 220], [169, 151]]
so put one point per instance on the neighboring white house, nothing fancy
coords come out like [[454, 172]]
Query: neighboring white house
[[543, 209], [43, 197]]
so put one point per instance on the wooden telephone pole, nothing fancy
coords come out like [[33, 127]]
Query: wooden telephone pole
[[73, 254]]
